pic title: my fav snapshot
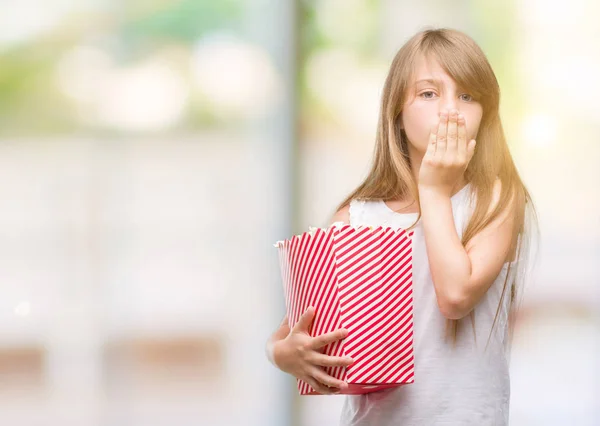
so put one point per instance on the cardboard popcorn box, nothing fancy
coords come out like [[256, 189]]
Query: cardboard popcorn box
[[360, 279]]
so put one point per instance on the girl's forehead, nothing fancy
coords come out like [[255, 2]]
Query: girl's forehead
[[429, 70]]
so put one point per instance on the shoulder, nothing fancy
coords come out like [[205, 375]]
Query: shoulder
[[342, 215], [355, 212]]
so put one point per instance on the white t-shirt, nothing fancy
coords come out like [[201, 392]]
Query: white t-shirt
[[461, 385]]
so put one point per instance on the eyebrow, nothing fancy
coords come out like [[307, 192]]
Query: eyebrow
[[436, 82], [429, 80]]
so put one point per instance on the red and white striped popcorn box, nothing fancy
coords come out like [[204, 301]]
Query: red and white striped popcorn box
[[360, 279]]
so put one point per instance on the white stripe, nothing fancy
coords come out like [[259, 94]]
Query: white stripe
[[366, 368], [351, 290], [395, 361], [402, 313], [311, 264], [374, 299], [366, 324], [321, 247], [404, 355]]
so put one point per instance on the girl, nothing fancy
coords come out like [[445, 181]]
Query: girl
[[441, 166]]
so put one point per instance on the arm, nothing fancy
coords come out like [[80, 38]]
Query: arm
[[342, 215], [295, 352], [279, 334], [461, 276]]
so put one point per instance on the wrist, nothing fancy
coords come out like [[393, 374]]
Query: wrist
[[426, 191], [276, 353]]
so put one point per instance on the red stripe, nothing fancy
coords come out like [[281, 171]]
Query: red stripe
[[327, 287], [403, 249], [314, 248], [348, 235], [383, 327], [380, 360], [356, 261], [329, 298], [399, 273], [356, 318], [403, 365], [331, 306], [392, 318], [351, 243], [286, 284], [347, 262], [305, 263], [327, 304], [363, 352], [350, 287], [378, 305], [401, 369], [387, 352], [384, 284], [373, 269], [390, 258], [297, 266], [394, 368], [326, 255], [353, 317], [397, 236]]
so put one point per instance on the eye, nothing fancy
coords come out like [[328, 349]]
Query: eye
[[469, 97], [426, 94]]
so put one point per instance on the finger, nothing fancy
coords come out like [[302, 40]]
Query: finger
[[442, 134], [431, 146], [305, 320], [451, 141], [462, 137], [332, 361], [327, 338], [318, 386], [327, 380]]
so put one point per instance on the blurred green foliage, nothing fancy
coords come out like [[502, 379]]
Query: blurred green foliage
[[362, 41], [32, 104]]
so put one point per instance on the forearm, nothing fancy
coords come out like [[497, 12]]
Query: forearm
[[280, 334], [448, 260]]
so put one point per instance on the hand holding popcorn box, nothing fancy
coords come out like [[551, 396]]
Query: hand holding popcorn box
[[360, 279]]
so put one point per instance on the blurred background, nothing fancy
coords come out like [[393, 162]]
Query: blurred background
[[151, 153]]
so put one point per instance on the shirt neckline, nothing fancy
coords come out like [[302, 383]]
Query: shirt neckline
[[415, 214]]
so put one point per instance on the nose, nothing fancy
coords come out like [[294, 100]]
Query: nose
[[448, 104]]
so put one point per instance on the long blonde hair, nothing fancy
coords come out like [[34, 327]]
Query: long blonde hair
[[390, 176]]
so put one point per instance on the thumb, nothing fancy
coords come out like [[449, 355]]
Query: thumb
[[305, 320]]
